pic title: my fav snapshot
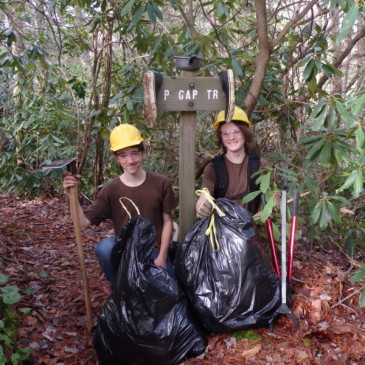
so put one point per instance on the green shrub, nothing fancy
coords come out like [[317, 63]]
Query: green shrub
[[360, 277], [9, 324]]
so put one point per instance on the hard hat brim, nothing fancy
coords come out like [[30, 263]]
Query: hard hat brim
[[121, 146], [217, 124]]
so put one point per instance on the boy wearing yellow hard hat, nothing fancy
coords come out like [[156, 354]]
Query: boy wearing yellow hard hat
[[150, 192]]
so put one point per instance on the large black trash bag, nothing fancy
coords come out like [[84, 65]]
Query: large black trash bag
[[232, 286], [146, 320]]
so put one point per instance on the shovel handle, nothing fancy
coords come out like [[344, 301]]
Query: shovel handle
[[80, 252], [283, 241], [293, 228], [285, 183], [74, 206]]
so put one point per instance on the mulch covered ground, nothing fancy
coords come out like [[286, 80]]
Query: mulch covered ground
[[38, 253]]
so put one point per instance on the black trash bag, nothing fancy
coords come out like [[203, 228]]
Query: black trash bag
[[232, 286], [146, 320]]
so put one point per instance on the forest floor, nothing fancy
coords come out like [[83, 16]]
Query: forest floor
[[38, 253]]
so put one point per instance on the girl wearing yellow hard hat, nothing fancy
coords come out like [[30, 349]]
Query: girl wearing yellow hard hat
[[229, 175]]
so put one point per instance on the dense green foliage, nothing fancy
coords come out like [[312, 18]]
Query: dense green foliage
[[360, 276], [10, 353], [72, 70]]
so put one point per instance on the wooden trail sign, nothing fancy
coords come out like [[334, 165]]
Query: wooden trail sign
[[187, 94], [191, 94]]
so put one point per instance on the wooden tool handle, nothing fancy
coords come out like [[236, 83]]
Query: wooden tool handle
[[80, 251]]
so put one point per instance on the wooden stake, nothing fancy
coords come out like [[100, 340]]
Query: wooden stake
[[187, 168]]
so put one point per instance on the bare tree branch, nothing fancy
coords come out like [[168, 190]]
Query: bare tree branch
[[294, 21], [350, 45], [188, 17], [262, 59]]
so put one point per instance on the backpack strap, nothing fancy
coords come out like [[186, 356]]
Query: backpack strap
[[253, 166], [221, 176]]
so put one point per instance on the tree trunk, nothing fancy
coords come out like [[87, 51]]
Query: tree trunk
[[99, 153], [93, 104], [262, 60]]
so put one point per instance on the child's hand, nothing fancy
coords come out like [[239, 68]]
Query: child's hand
[[160, 261], [70, 180]]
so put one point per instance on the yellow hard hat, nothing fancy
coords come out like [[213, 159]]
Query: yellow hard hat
[[124, 135], [239, 115]]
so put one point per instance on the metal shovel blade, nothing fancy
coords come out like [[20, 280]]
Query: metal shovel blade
[[59, 164]]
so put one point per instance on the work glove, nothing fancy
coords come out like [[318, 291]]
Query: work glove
[[203, 207]]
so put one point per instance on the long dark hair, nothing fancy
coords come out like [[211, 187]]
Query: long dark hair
[[250, 143]]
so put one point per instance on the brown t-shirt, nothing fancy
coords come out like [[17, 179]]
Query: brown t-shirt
[[237, 182], [153, 197]]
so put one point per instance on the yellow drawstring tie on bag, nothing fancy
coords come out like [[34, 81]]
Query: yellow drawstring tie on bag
[[212, 233], [125, 208], [211, 230]]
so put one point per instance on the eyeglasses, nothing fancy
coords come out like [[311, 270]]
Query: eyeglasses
[[134, 155], [226, 134]]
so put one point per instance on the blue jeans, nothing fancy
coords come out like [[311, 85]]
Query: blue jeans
[[103, 253]]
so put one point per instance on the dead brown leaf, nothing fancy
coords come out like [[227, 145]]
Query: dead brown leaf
[[39, 255]]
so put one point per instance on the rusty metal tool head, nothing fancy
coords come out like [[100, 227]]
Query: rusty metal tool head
[[69, 163]]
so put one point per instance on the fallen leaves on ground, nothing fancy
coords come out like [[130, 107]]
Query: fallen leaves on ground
[[39, 255]]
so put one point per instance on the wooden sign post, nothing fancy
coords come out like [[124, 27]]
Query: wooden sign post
[[188, 94]]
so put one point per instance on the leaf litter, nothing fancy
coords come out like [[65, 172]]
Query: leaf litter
[[38, 253]]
